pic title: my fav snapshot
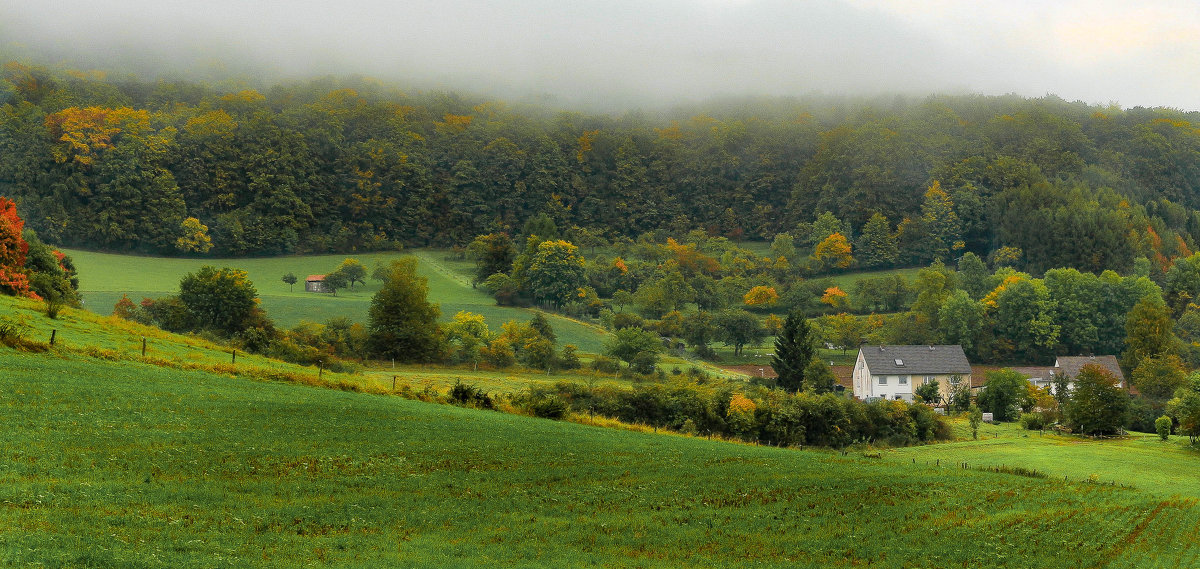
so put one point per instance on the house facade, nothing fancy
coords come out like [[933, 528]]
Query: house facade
[[894, 372]]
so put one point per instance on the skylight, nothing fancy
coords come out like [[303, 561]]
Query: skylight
[[899, 362]]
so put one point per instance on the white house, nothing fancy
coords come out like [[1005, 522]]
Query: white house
[[894, 372]]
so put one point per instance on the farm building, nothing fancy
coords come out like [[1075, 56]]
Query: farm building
[[315, 283], [893, 372], [1070, 366]]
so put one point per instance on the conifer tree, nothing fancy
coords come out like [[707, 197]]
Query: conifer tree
[[795, 347]]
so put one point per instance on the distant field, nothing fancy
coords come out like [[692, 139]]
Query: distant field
[[105, 277], [846, 281], [119, 464], [1142, 460]]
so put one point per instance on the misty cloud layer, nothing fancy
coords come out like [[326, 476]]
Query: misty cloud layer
[[622, 52]]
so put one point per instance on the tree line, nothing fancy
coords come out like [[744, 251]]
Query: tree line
[[183, 167]]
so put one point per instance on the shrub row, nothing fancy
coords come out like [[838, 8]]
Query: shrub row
[[753, 413]]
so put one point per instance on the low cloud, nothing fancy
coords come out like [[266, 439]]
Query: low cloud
[[622, 52]]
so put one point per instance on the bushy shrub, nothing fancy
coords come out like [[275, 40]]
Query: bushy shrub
[[605, 364], [1033, 421], [549, 407], [1163, 426], [471, 396]]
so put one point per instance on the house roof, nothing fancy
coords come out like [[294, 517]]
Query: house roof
[[1071, 365], [315, 278], [904, 360]]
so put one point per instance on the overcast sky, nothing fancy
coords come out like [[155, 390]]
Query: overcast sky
[[622, 52]]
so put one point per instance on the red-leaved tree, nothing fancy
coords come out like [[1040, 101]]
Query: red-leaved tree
[[13, 248]]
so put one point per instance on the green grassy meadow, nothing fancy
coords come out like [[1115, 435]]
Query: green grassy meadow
[[105, 277], [1142, 460], [122, 464]]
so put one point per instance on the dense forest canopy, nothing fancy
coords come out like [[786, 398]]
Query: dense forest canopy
[[351, 164]]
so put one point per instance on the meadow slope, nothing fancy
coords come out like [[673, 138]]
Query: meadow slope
[[131, 465], [104, 277]]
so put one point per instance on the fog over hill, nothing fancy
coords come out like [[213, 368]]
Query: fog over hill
[[619, 53]]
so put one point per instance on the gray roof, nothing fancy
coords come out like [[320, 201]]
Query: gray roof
[[882, 360], [1071, 365]]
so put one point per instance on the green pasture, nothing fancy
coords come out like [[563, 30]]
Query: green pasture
[[1140, 460], [104, 277], [845, 281], [120, 464]]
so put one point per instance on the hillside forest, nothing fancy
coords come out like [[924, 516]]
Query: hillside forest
[[1040, 227]]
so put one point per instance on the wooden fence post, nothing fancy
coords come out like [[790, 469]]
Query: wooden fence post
[[143, 346], [52, 334], [233, 359]]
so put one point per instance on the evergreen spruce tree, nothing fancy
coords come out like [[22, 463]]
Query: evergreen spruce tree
[[795, 347]]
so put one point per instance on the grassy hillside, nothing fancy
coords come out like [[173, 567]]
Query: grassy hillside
[[1142, 461], [178, 460], [124, 464], [83, 333], [105, 277]]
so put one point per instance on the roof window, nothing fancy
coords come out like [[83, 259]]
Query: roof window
[[899, 362]]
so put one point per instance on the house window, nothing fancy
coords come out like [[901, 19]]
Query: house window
[[904, 380], [954, 380], [930, 379], [882, 380]]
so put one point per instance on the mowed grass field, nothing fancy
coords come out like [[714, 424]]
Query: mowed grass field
[[103, 278], [121, 464]]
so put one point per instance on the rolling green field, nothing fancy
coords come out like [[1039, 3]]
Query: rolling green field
[[183, 460], [1141, 460], [105, 277], [127, 465]]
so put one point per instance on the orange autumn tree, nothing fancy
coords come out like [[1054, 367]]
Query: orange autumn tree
[[835, 297], [834, 251], [14, 279], [761, 295]]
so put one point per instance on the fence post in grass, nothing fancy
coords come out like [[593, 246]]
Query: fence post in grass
[[143, 346], [393, 383], [233, 359], [52, 334]]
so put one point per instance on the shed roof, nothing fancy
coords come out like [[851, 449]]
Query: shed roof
[[903, 360], [315, 278]]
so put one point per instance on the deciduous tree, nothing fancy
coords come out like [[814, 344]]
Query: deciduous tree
[[1097, 405], [220, 299], [402, 322]]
